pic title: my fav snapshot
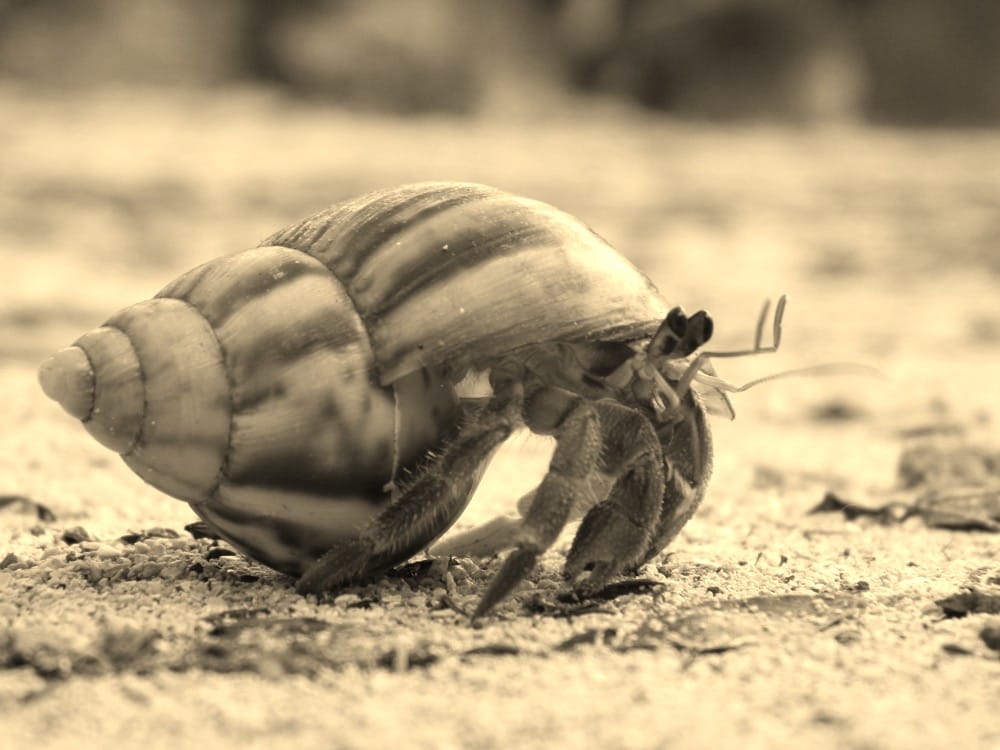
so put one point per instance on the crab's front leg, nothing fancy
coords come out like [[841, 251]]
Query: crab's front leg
[[617, 531], [424, 508], [575, 425]]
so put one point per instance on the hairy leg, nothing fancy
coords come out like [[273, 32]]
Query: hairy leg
[[426, 506], [577, 453], [617, 532]]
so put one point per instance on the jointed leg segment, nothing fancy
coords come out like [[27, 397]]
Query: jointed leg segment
[[577, 452], [594, 436], [616, 532]]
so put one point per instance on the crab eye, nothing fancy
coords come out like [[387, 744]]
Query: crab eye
[[699, 330], [671, 331], [677, 321]]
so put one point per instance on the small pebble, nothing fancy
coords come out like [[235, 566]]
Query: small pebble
[[470, 567], [154, 549], [8, 612], [172, 572], [148, 570]]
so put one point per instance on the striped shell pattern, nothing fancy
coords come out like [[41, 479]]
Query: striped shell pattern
[[278, 390]]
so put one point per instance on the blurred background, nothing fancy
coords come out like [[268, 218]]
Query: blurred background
[[919, 62]]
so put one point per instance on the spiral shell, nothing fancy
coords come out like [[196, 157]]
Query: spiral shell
[[278, 390]]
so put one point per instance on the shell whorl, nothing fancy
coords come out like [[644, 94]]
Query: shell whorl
[[67, 377], [150, 385], [441, 271]]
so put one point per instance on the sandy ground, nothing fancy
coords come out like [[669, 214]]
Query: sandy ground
[[765, 625]]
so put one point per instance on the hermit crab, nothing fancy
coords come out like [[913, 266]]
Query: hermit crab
[[306, 396]]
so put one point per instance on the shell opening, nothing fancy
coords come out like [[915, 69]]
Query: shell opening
[[67, 377]]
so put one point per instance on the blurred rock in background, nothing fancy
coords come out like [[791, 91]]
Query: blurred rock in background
[[929, 62], [375, 54], [901, 61], [720, 59], [62, 43]]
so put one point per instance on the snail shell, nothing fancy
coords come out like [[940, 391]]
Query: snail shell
[[278, 390]]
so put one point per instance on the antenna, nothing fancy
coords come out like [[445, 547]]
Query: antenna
[[698, 363], [698, 369]]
